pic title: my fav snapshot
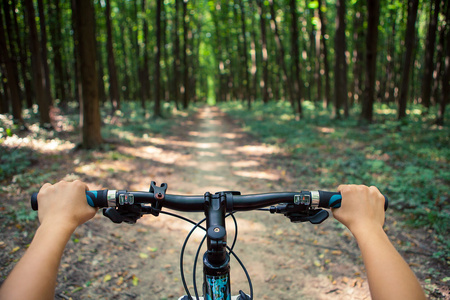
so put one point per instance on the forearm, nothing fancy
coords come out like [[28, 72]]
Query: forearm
[[388, 274], [38, 268]]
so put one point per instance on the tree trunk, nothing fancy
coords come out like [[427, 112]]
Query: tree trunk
[[358, 53], [76, 53], [44, 52], [286, 78], [373, 7], [10, 66], [38, 73], [157, 82], [446, 66], [429, 54], [90, 108], [317, 69], [409, 45], [57, 44], [264, 53], [114, 94], [340, 68], [176, 57], [247, 78], [325, 57], [297, 82], [186, 88], [23, 59]]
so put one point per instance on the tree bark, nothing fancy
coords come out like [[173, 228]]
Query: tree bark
[[57, 44], [90, 108], [409, 45], [10, 65], [157, 107], [114, 94], [446, 66], [186, 88], [296, 105], [44, 52], [373, 7], [245, 51], [429, 54], [264, 53], [295, 53], [326, 65], [38, 73], [340, 68]]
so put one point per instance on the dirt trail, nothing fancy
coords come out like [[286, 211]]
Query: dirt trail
[[207, 152]]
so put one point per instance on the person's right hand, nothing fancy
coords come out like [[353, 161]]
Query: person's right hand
[[64, 204], [362, 208]]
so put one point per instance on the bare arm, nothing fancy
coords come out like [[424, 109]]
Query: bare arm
[[389, 276], [62, 207]]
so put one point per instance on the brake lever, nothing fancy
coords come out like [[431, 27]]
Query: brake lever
[[124, 213], [317, 216]]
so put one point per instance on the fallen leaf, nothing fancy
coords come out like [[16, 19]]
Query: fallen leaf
[[119, 281], [336, 252], [107, 278], [143, 255], [152, 249], [15, 249], [135, 280]]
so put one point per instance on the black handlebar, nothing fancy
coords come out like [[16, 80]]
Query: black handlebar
[[235, 202]]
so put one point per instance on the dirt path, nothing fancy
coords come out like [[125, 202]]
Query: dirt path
[[207, 152]]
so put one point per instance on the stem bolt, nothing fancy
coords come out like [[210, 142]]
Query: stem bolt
[[217, 229]]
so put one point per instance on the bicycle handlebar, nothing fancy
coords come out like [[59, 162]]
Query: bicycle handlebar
[[114, 198]]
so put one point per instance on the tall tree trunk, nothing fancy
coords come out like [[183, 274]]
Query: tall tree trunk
[[57, 44], [295, 53], [429, 53], [286, 78], [90, 108], [317, 69], [176, 57], [38, 73], [44, 52], [264, 53], [446, 66], [358, 53], [157, 83], [186, 88], [76, 53], [325, 57], [340, 68], [373, 7], [245, 51], [113, 83], [409, 45], [11, 66], [390, 68], [23, 59]]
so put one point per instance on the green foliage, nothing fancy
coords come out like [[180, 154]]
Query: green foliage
[[407, 160], [13, 161]]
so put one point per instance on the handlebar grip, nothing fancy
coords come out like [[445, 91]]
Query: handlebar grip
[[93, 198], [333, 200]]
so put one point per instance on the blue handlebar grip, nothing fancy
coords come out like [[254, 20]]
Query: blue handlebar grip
[[334, 199], [93, 198]]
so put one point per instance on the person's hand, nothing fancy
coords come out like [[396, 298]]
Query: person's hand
[[362, 208], [64, 204]]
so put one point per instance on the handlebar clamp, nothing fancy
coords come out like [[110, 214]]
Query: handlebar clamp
[[159, 193]]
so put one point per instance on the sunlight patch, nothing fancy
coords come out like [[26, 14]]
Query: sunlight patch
[[258, 175]]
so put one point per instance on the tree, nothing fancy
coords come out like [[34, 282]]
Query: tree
[[373, 7], [44, 53], [90, 108], [340, 67], [295, 101], [157, 107], [264, 53], [11, 68], [410, 34], [429, 53], [186, 87], [114, 94], [325, 55], [38, 73]]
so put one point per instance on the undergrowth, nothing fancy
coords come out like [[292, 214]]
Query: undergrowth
[[408, 160]]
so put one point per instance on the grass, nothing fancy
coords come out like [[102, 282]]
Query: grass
[[407, 160]]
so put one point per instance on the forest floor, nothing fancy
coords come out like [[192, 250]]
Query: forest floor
[[202, 151]]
